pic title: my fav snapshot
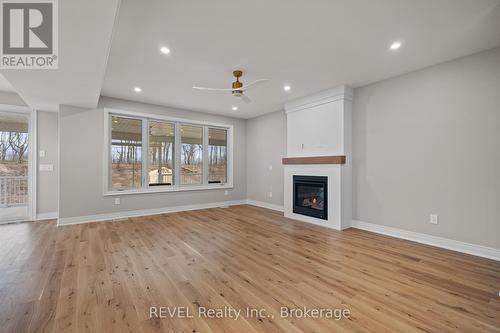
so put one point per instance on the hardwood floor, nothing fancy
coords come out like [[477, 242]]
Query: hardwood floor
[[104, 277]]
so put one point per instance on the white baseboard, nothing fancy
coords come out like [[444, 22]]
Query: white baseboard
[[476, 250], [143, 212], [264, 205], [47, 216]]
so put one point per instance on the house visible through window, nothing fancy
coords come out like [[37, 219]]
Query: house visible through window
[[161, 153], [178, 154], [191, 155]]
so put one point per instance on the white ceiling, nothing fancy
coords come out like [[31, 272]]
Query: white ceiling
[[5, 85], [311, 45], [85, 31]]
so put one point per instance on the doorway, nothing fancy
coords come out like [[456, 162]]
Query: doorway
[[15, 166]]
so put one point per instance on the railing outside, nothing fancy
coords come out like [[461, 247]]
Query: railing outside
[[13, 191]]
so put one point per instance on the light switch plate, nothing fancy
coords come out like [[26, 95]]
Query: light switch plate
[[46, 167], [434, 219], [42, 153]]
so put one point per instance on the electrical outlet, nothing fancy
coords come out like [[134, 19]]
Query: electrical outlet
[[226, 192], [270, 194], [117, 201], [434, 219], [42, 153], [271, 167]]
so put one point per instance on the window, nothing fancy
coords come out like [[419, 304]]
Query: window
[[126, 153], [178, 154], [191, 155], [217, 155], [161, 153]]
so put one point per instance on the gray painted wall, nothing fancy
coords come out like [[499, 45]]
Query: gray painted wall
[[266, 145], [429, 142], [425, 142], [47, 181], [81, 153]]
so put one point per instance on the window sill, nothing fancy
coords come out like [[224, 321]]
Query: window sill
[[167, 189]]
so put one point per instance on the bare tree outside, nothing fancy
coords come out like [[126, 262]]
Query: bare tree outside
[[126, 152], [191, 154], [14, 145], [217, 155]]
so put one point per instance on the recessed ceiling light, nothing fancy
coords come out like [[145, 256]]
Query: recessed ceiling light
[[235, 108], [287, 88], [395, 45], [137, 89], [165, 50]]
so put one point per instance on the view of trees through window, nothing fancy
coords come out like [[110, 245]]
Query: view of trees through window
[[13, 160], [191, 154], [217, 155], [126, 152], [175, 153], [161, 153]]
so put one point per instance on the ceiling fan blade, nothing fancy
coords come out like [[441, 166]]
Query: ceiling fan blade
[[213, 89], [245, 99], [255, 83], [245, 87]]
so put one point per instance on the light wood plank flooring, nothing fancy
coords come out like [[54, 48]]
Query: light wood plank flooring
[[103, 277]]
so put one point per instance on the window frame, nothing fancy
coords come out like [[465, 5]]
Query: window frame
[[176, 187]]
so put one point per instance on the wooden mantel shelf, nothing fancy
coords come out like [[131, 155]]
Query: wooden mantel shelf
[[315, 160]]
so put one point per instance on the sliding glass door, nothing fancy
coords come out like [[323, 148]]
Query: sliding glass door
[[14, 166]]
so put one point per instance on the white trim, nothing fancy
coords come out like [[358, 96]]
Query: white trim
[[15, 108], [264, 205], [169, 188], [324, 97], [33, 163], [143, 212], [47, 216], [154, 116], [473, 249]]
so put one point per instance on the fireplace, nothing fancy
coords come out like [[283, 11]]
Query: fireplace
[[310, 196]]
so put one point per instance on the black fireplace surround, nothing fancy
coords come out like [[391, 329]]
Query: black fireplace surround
[[310, 196]]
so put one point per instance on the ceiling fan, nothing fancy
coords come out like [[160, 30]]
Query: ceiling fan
[[238, 89]]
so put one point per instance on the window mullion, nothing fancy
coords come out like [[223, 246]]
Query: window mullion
[[145, 153], [205, 155], [108, 151], [177, 155]]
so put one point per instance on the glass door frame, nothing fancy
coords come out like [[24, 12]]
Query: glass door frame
[[31, 116]]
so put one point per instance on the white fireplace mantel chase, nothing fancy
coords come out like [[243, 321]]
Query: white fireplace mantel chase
[[319, 144]]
